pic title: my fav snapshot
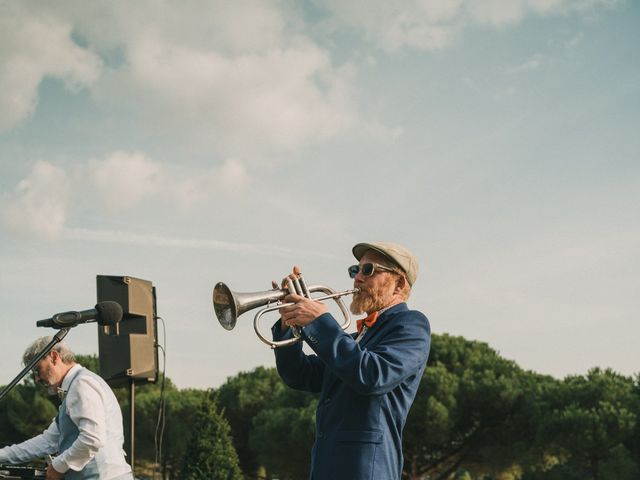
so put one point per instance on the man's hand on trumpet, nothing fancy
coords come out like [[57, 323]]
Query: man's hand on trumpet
[[303, 310]]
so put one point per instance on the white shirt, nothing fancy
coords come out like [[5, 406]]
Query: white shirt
[[94, 409]]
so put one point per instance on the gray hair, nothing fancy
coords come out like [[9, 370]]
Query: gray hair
[[66, 355]]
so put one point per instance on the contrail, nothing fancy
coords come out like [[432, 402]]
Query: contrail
[[128, 238]]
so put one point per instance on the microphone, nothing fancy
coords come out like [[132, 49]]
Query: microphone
[[105, 313]]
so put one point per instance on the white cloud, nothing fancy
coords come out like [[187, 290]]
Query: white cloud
[[38, 205], [421, 24], [243, 77], [384, 134], [496, 12], [169, 241], [129, 238], [240, 77], [128, 179], [434, 24], [574, 41], [123, 179], [34, 45], [229, 178], [544, 6], [276, 100], [534, 62], [233, 174], [234, 28]]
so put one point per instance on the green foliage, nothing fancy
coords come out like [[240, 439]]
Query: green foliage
[[90, 362], [260, 409], [476, 416], [633, 444], [159, 437], [26, 412], [181, 418], [591, 421], [242, 398], [209, 454], [469, 401], [291, 420]]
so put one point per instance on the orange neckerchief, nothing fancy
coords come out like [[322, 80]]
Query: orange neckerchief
[[369, 321]]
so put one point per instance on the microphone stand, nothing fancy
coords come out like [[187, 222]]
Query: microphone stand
[[57, 338]]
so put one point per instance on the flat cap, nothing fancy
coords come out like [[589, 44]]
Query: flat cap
[[394, 252]]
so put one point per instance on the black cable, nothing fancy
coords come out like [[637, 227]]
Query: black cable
[[160, 423]]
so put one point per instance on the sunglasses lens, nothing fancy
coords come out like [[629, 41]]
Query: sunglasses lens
[[367, 269], [353, 271]]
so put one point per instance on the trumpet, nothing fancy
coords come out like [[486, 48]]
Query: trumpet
[[229, 305]]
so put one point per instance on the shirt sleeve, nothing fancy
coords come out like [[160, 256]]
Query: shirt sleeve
[[37, 447], [85, 405]]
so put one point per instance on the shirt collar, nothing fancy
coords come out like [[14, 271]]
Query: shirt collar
[[363, 327], [71, 374], [389, 307]]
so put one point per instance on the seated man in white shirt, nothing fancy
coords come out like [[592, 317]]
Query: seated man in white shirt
[[86, 435]]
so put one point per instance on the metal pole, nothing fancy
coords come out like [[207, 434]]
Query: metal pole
[[57, 338], [132, 424]]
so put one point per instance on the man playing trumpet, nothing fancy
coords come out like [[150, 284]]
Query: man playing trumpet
[[367, 381]]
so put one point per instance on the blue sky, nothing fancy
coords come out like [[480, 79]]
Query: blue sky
[[194, 142]]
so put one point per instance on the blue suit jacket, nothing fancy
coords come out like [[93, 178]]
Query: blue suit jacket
[[366, 390]]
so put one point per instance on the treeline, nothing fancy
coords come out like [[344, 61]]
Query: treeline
[[476, 416]]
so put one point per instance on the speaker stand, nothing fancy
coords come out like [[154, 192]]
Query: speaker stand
[[132, 424]]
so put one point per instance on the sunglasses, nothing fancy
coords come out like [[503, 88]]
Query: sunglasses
[[367, 269]]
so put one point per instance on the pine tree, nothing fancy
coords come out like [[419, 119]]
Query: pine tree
[[210, 454]]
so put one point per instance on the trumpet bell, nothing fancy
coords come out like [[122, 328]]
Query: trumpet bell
[[225, 306], [229, 305]]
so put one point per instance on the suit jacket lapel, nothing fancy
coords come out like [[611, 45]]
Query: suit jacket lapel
[[371, 333]]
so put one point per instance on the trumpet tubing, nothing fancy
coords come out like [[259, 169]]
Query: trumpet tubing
[[229, 305]]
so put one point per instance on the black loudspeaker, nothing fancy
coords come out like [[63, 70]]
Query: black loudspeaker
[[128, 351]]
